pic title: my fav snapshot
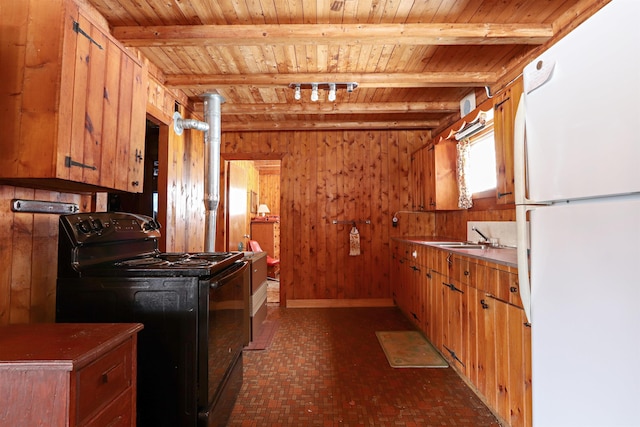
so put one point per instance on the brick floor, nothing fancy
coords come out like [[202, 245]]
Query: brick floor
[[325, 367]]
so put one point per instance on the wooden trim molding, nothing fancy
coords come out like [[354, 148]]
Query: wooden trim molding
[[340, 303]]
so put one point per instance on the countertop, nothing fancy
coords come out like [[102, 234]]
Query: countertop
[[501, 255]]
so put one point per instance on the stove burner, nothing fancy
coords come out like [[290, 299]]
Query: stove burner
[[175, 260], [173, 256], [142, 262]]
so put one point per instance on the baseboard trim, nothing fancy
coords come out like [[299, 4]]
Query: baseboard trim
[[340, 303]]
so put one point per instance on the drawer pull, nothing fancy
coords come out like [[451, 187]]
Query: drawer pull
[[105, 374]]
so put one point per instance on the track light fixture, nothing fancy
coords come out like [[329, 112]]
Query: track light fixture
[[331, 88]]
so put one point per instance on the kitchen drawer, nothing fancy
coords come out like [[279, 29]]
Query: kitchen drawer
[[467, 272], [103, 380], [506, 286], [118, 413]]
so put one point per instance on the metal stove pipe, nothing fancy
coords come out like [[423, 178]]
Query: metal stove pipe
[[180, 124], [212, 102]]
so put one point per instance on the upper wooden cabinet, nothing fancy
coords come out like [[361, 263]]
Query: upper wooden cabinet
[[433, 176], [73, 111], [505, 106], [418, 181]]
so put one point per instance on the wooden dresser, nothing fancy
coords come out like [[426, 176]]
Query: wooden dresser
[[68, 374], [267, 234], [258, 298]]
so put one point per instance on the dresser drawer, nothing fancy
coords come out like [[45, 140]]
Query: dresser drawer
[[103, 380], [118, 413]]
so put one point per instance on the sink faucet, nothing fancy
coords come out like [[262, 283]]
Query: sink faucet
[[486, 239]]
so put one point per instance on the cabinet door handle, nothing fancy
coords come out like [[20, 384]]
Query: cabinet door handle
[[500, 195], [135, 183], [138, 155], [414, 268], [513, 289], [484, 304]]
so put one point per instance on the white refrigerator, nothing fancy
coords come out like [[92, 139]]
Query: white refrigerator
[[577, 161]]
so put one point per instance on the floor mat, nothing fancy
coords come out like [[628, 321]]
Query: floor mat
[[409, 349]]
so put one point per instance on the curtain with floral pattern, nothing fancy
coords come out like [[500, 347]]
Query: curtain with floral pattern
[[464, 194]]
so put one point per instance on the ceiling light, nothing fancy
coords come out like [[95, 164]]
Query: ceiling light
[[330, 87], [332, 92]]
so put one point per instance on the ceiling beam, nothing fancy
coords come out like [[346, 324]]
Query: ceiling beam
[[328, 34], [338, 108], [364, 80], [325, 125]]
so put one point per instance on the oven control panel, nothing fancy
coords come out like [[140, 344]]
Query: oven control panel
[[103, 227]]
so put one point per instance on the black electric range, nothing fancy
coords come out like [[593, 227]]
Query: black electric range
[[194, 307]]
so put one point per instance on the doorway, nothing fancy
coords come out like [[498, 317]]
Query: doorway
[[252, 185]]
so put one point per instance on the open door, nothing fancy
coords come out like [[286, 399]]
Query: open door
[[237, 208]]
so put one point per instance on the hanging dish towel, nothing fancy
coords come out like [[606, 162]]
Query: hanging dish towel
[[354, 242]]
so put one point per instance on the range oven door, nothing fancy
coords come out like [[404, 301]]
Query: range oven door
[[225, 331]]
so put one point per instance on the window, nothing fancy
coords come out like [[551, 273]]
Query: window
[[481, 173]]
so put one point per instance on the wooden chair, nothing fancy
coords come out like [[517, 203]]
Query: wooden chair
[[273, 265]]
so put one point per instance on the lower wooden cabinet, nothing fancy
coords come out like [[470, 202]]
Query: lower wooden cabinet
[[470, 310], [67, 374]]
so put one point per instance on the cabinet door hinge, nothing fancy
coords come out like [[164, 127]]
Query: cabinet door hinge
[[68, 162], [499, 104], [454, 355], [77, 29]]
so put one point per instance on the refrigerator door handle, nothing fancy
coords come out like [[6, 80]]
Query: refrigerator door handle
[[523, 258], [519, 156], [523, 205]]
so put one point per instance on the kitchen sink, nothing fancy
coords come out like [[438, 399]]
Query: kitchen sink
[[463, 246], [448, 243]]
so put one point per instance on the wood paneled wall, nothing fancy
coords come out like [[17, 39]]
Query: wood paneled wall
[[343, 176], [29, 256], [181, 189], [270, 191]]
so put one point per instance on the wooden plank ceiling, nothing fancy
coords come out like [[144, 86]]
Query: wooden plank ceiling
[[413, 60]]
